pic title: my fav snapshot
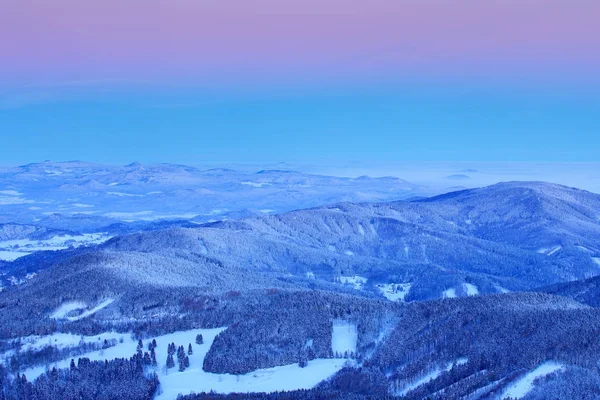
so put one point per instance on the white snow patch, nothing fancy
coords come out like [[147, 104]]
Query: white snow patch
[[501, 289], [282, 378], [361, 230], [23, 247], [94, 310], [310, 275], [583, 248], [349, 253], [266, 211], [331, 248], [549, 251], [449, 293], [343, 337], [394, 291], [356, 281], [554, 250], [81, 205], [596, 260], [66, 308], [468, 222], [524, 385], [194, 378], [471, 289], [63, 311]]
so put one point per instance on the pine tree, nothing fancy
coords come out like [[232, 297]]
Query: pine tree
[[186, 361], [153, 357], [199, 339], [190, 351], [170, 361]]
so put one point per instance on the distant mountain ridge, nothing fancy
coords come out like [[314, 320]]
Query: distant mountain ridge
[[506, 237], [87, 197]]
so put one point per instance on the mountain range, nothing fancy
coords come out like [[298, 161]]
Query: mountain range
[[484, 293]]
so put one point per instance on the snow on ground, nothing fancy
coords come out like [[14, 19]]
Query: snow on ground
[[550, 251], [394, 291], [12, 255], [194, 379], [429, 377], [471, 289], [63, 341], [361, 230], [449, 293], [21, 247], [596, 260], [501, 289], [65, 308], [524, 385], [343, 337], [356, 281], [349, 253], [583, 248], [283, 378]]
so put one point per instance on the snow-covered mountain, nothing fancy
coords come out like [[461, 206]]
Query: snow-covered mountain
[[483, 293], [506, 237], [40, 193]]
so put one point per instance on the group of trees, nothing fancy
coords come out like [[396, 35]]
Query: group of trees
[[183, 359], [94, 380]]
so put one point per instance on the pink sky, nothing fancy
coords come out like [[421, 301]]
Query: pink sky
[[178, 40]]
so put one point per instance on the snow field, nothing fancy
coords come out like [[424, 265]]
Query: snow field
[[194, 378], [394, 291], [12, 249], [471, 289], [355, 281], [524, 385], [63, 310], [344, 337]]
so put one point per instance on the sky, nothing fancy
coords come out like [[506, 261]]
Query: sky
[[330, 81]]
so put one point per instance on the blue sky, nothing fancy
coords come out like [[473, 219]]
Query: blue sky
[[336, 123]]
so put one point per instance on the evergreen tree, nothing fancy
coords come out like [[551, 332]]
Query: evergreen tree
[[153, 358], [199, 339], [170, 361], [190, 351]]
